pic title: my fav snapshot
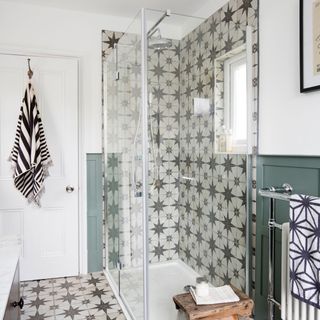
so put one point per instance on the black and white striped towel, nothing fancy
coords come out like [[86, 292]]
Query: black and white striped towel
[[30, 156], [304, 249]]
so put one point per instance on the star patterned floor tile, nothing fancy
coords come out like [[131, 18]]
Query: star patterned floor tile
[[87, 297]]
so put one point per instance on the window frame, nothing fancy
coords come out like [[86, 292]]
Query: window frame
[[229, 65]]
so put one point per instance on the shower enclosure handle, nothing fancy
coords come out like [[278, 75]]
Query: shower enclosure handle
[[138, 189], [119, 265]]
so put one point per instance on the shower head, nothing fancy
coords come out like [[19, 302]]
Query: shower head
[[159, 43]]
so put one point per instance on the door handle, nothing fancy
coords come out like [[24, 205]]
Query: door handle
[[69, 189]]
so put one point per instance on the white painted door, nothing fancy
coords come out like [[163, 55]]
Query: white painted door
[[49, 235]]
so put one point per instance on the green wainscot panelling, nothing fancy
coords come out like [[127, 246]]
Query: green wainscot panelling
[[303, 173], [94, 212]]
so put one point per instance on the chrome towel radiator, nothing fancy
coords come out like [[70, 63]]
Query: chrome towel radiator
[[273, 193], [292, 308]]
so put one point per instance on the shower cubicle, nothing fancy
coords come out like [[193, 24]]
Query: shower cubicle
[[179, 131]]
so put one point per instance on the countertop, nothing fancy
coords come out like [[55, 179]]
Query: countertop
[[9, 257]]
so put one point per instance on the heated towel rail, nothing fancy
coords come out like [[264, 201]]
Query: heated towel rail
[[273, 193], [292, 308]]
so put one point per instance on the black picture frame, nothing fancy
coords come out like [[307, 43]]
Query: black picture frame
[[303, 87]]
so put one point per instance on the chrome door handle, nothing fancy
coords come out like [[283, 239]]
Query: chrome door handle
[[69, 189]]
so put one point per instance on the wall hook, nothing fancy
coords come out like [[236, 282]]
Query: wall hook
[[30, 72]]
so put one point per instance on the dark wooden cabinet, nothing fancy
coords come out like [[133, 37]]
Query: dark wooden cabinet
[[15, 302]]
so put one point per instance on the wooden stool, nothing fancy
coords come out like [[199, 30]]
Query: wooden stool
[[224, 311]]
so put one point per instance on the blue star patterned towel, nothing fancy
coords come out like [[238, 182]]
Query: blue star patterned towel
[[304, 249]]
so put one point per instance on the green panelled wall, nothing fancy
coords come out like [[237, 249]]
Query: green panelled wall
[[303, 173], [94, 212]]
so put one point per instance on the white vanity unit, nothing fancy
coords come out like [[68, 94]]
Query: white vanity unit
[[10, 300]]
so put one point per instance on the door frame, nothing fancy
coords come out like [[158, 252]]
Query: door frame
[[82, 176]]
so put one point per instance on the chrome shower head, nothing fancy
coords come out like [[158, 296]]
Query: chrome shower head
[[159, 43]]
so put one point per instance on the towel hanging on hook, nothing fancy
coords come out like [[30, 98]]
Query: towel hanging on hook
[[30, 157], [30, 72]]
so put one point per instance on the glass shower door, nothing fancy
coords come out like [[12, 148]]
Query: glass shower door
[[131, 210], [124, 150]]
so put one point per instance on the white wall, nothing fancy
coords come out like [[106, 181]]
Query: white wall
[[209, 8], [49, 30], [289, 120], [53, 31]]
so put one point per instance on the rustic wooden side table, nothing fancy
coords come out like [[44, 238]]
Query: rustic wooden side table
[[225, 311]]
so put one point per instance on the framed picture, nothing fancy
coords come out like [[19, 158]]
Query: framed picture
[[309, 45]]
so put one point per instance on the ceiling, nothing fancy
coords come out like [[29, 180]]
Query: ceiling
[[125, 8]]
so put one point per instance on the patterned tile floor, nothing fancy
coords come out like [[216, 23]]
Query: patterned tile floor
[[85, 297]]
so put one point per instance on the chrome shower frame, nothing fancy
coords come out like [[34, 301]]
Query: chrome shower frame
[[145, 157]]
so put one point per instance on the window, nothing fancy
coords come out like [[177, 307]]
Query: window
[[235, 100]]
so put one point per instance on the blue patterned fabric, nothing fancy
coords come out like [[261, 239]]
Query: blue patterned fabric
[[304, 249]]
